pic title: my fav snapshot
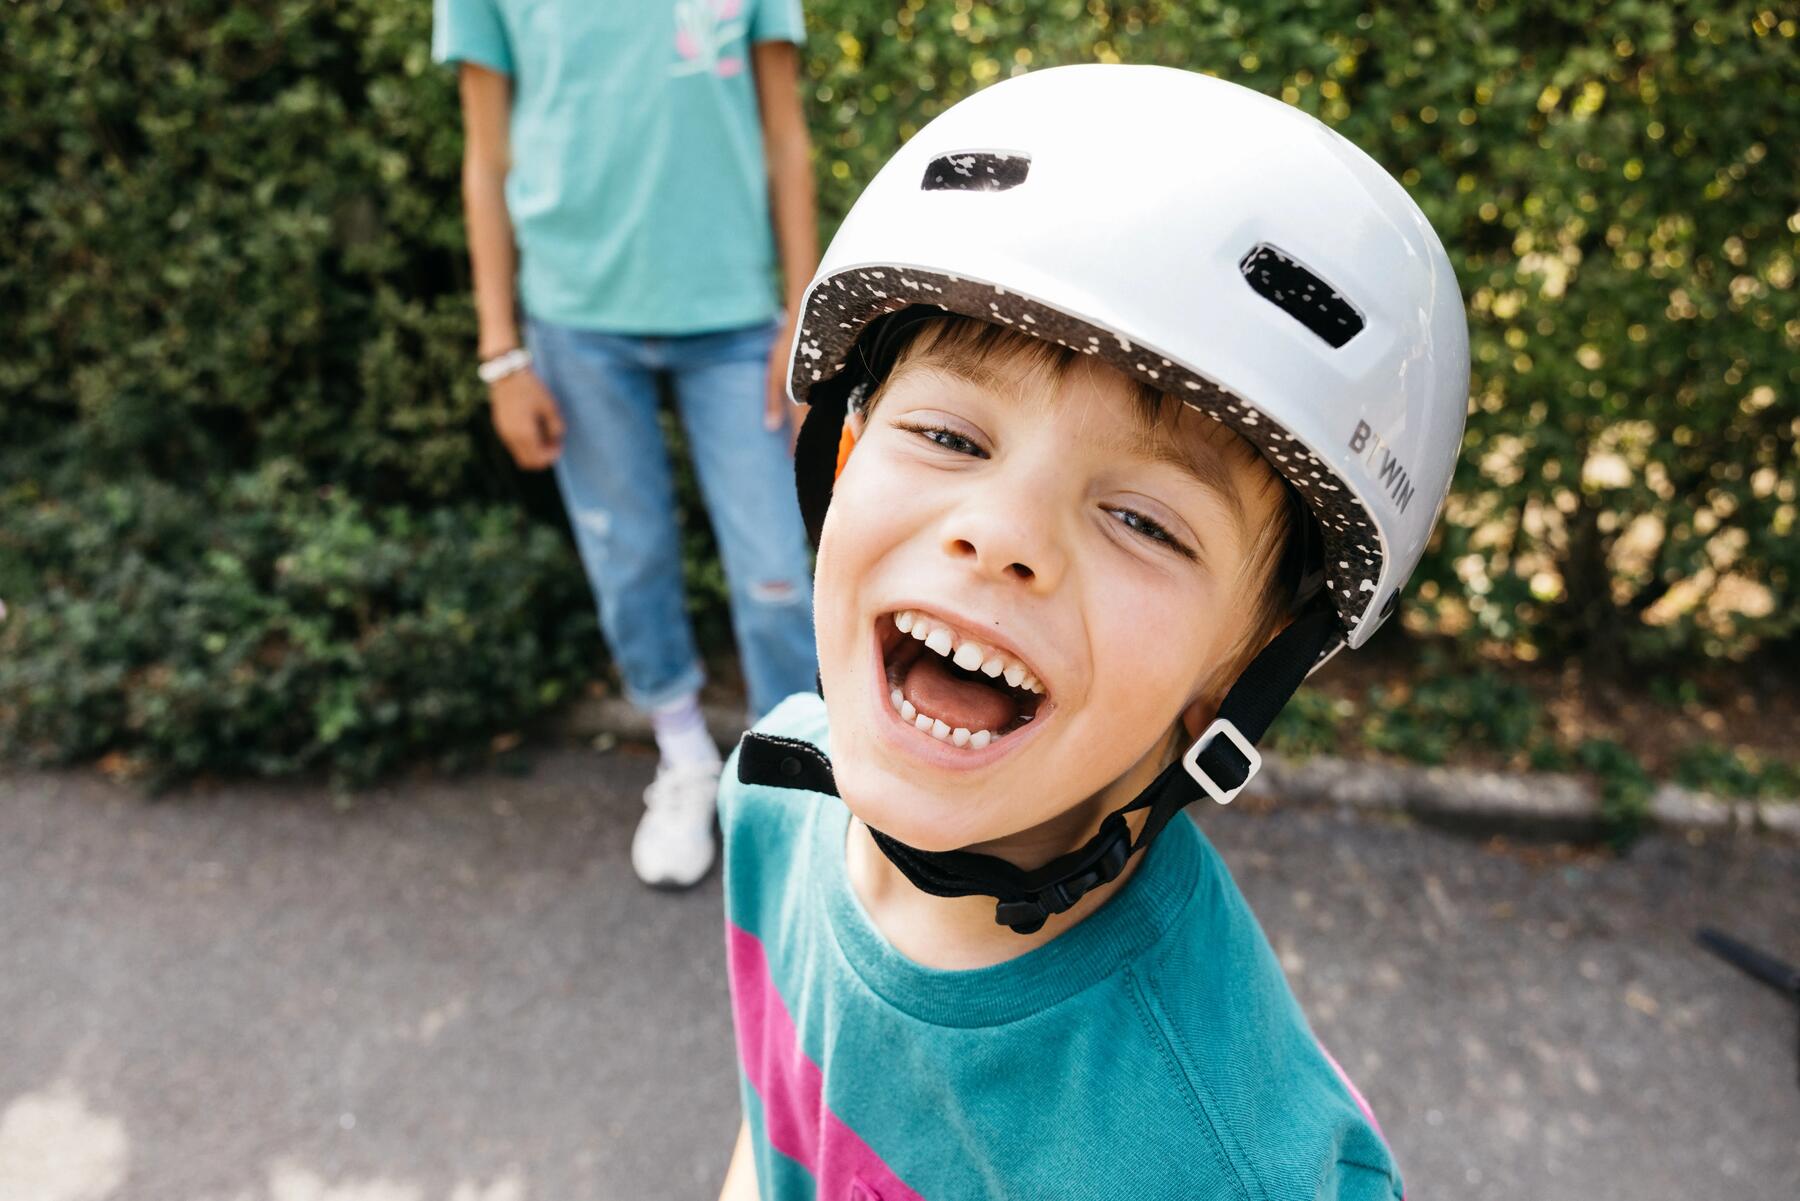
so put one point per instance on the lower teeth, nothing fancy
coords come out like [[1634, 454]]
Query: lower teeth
[[973, 739]]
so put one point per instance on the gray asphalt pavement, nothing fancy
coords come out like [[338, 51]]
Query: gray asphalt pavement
[[455, 991]]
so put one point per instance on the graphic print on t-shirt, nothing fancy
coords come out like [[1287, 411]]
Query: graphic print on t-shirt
[[704, 31]]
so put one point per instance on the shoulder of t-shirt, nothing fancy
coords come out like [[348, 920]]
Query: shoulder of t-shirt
[[766, 829], [800, 717], [777, 21], [1277, 1104], [470, 31]]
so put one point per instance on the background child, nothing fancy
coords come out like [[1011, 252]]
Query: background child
[[1184, 437], [614, 163]]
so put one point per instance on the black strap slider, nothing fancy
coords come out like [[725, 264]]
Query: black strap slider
[[1026, 915], [778, 762], [1113, 855]]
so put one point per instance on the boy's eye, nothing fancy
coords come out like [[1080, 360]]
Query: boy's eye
[[947, 438], [1151, 529], [1147, 527]]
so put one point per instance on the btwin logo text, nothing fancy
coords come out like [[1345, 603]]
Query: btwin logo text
[[1382, 464]]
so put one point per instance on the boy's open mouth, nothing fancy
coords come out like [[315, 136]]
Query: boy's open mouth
[[952, 686]]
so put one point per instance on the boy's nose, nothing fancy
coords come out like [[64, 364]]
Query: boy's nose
[[1007, 543]]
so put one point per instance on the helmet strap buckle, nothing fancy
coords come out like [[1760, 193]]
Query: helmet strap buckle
[[1213, 764]]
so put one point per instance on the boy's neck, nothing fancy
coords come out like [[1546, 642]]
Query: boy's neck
[[960, 933]]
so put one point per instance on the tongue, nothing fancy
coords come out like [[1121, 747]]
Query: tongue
[[934, 687]]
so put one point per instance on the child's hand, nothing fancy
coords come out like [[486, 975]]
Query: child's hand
[[527, 420]]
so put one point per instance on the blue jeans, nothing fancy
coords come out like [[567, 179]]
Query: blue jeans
[[615, 481]]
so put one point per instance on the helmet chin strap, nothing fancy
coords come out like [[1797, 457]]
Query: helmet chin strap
[[1218, 765]]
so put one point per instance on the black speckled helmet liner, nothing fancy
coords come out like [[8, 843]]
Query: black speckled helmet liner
[[841, 306]]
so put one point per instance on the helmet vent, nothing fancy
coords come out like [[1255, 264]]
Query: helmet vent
[[1301, 295], [976, 171]]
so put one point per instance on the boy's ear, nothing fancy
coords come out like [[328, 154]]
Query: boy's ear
[[1200, 712], [1197, 716], [853, 426]]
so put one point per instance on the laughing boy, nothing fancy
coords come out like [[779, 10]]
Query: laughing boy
[[1134, 395]]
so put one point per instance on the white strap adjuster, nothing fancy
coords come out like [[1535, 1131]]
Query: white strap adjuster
[[1191, 760]]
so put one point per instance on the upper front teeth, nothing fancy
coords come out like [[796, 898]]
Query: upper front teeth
[[966, 653]]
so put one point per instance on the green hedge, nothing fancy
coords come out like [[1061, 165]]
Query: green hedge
[[235, 235], [234, 240], [277, 627]]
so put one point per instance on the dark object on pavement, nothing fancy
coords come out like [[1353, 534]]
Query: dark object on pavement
[[1783, 977]]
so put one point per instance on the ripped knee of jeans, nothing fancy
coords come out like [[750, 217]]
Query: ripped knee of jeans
[[597, 522], [776, 592]]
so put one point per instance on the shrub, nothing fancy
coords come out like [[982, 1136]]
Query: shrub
[[1734, 772], [235, 247], [274, 627]]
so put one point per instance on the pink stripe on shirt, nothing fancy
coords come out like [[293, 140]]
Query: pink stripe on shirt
[[792, 1088], [1355, 1093]]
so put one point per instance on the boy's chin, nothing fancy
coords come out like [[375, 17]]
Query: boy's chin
[[918, 815]]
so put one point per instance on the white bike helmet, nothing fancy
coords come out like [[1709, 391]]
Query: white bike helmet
[[1220, 246]]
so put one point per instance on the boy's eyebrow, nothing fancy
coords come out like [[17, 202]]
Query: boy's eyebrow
[[969, 371], [1207, 470]]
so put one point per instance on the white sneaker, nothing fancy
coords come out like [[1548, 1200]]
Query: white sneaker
[[673, 846]]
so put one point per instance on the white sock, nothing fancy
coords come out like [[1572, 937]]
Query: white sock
[[681, 735]]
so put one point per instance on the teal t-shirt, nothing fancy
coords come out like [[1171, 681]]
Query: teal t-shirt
[[1152, 1051], [637, 191]]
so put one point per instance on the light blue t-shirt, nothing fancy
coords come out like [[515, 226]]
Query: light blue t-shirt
[[1152, 1051], [637, 191]]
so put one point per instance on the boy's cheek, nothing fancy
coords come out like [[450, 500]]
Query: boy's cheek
[[868, 517], [835, 581], [847, 562]]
